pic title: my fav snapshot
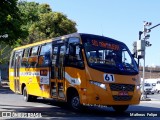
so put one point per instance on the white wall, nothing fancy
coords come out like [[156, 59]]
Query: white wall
[[151, 80]]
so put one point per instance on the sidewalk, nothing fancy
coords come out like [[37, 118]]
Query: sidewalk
[[149, 98]]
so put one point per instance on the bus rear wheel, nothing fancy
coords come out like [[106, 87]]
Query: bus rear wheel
[[120, 108], [26, 96]]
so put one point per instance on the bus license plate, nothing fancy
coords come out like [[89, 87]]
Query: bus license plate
[[122, 93]]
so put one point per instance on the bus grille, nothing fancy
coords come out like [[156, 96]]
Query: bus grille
[[122, 98], [121, 87]]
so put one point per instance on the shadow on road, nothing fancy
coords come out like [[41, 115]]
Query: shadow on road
[[5, 90]]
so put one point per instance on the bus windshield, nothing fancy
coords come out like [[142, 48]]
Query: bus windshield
[[109, 56]]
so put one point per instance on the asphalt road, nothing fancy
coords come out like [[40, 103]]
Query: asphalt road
[[49, 109]]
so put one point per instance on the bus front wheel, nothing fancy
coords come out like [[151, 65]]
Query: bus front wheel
[[74, 102], [26, 97], [120, 108]]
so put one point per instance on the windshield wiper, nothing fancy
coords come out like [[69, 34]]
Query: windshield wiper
[[128, 66], [106, 65]]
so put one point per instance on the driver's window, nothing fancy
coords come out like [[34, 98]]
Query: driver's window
[[78, 53], [126, 58], [74, 56]]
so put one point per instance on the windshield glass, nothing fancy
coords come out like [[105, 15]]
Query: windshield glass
[[109, 56]]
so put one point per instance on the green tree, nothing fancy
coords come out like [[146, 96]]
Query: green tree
[[5, 51], [42, 23], [10, 22]]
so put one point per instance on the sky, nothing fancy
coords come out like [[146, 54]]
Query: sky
[[121, 20]]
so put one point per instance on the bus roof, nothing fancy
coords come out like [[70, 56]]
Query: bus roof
[[47, 41], [67, 36]]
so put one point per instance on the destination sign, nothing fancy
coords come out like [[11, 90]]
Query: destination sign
[[104, 44]]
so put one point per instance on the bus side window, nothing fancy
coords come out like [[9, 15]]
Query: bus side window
[[24, 62], [54, 62], [44, 58], [60, 62], [61, 56], [33, 59]]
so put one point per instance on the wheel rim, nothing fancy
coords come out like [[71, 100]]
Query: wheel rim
[[75, 102]]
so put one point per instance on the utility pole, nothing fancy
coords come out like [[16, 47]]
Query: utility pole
[[146, 44], [142, 43]]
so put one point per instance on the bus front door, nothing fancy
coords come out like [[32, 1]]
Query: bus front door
[[17, 59], [57, 73]]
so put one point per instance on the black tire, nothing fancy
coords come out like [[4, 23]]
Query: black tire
[[26, 97], [33, 98], [120, 108], [74, 102]]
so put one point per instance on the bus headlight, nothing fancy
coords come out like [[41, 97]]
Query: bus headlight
[[138, 87], [99, 84]]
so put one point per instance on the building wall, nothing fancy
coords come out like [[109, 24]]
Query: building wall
[[150, 74]]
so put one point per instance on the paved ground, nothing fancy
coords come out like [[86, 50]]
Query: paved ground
[[48, 108]]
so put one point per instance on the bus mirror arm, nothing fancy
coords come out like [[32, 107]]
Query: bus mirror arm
[[134, 55]]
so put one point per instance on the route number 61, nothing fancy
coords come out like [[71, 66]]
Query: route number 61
[[109, 78]]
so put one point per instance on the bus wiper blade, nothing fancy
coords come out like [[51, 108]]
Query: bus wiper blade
[[130, 67]]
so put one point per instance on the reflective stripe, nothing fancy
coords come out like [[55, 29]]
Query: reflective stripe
[[73, 81]]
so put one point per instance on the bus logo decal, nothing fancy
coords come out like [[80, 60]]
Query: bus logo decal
[[123, 88], [29, 74]]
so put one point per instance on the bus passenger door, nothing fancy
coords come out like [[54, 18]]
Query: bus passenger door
[[17, 60], [57, 72]]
